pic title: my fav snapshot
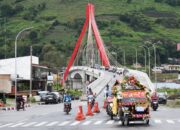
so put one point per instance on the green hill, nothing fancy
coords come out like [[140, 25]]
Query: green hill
[[123, 24]]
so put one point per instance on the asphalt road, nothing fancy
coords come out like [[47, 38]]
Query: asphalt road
[[52, 117]]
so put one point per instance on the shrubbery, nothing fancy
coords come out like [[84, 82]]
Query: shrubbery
[[168, 22], [74, 92], [170, 2], [137, 21]]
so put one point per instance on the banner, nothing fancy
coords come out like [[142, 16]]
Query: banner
[[178, 47]]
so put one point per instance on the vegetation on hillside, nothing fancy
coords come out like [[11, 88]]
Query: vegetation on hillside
[[123, 24]]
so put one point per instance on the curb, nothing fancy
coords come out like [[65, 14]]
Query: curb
[[40, 103], [12, 108]]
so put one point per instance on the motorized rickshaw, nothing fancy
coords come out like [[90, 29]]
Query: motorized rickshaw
[[131, 101]]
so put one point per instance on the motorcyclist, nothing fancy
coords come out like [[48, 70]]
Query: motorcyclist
[[67, 99], [91, 97], [20, 100], [107, 92]]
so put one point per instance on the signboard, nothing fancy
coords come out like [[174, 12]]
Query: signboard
[[134, 94], [50, 78]]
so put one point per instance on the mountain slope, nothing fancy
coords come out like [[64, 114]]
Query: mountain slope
[[57, 24]]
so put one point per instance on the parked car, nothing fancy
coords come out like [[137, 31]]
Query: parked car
[[53, 97], [42, 95], [60, 97], [162, 98]]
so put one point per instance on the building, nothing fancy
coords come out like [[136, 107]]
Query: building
[[171, 68], [39, 73], [7, 66]]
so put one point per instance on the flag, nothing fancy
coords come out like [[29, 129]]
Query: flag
[[178, 47]]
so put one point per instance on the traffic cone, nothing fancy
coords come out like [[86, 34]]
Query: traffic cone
[[96, 108], [104, 104], [80, 116], [89, 112]]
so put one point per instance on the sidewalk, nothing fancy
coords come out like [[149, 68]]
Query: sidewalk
[[10, 105]]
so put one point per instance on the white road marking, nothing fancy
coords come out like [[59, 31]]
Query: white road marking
[[6, 125], [40, 124], [75, 123], [64, 123], [110, 122], [18, 124], [87, 123], [157, 121], [52, 123], [98, 122], [170, 121], [29, 124]]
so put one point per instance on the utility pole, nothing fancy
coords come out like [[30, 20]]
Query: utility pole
[[124, 56], [136, 58], [30, 92], [155, 64]]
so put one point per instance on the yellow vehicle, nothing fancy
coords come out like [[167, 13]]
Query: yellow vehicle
[[131, 101], [133, 106]]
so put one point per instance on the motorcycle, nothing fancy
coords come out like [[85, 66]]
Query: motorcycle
[[154, 101], [91, 100], [67, 107], [20, 103], [109, 107], [154, 105]]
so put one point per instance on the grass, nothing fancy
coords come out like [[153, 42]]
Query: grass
[[161, 77], [173, 103]]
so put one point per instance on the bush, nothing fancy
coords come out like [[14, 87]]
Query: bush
[[55, 23], [32, 99], [170, 2], [102, 24], [17, 1], [18, 8], [6, 10], [168, 22], [74, 92], [137, 21], [33, 35]]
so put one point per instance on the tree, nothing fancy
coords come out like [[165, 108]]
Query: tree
[[33, 36], [129, 1], [6, 10]]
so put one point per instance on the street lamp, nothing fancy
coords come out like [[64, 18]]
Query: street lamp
[[149, 60], [144, 56], [155, 65], [25, 29]]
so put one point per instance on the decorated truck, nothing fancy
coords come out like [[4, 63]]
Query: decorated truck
[[131, 101]]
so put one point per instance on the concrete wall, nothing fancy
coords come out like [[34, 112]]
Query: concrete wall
[[7, 66]]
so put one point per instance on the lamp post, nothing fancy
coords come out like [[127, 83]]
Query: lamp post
[[155, 64], [144, 56], [16, 59], [155, 74], [149, 60]]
